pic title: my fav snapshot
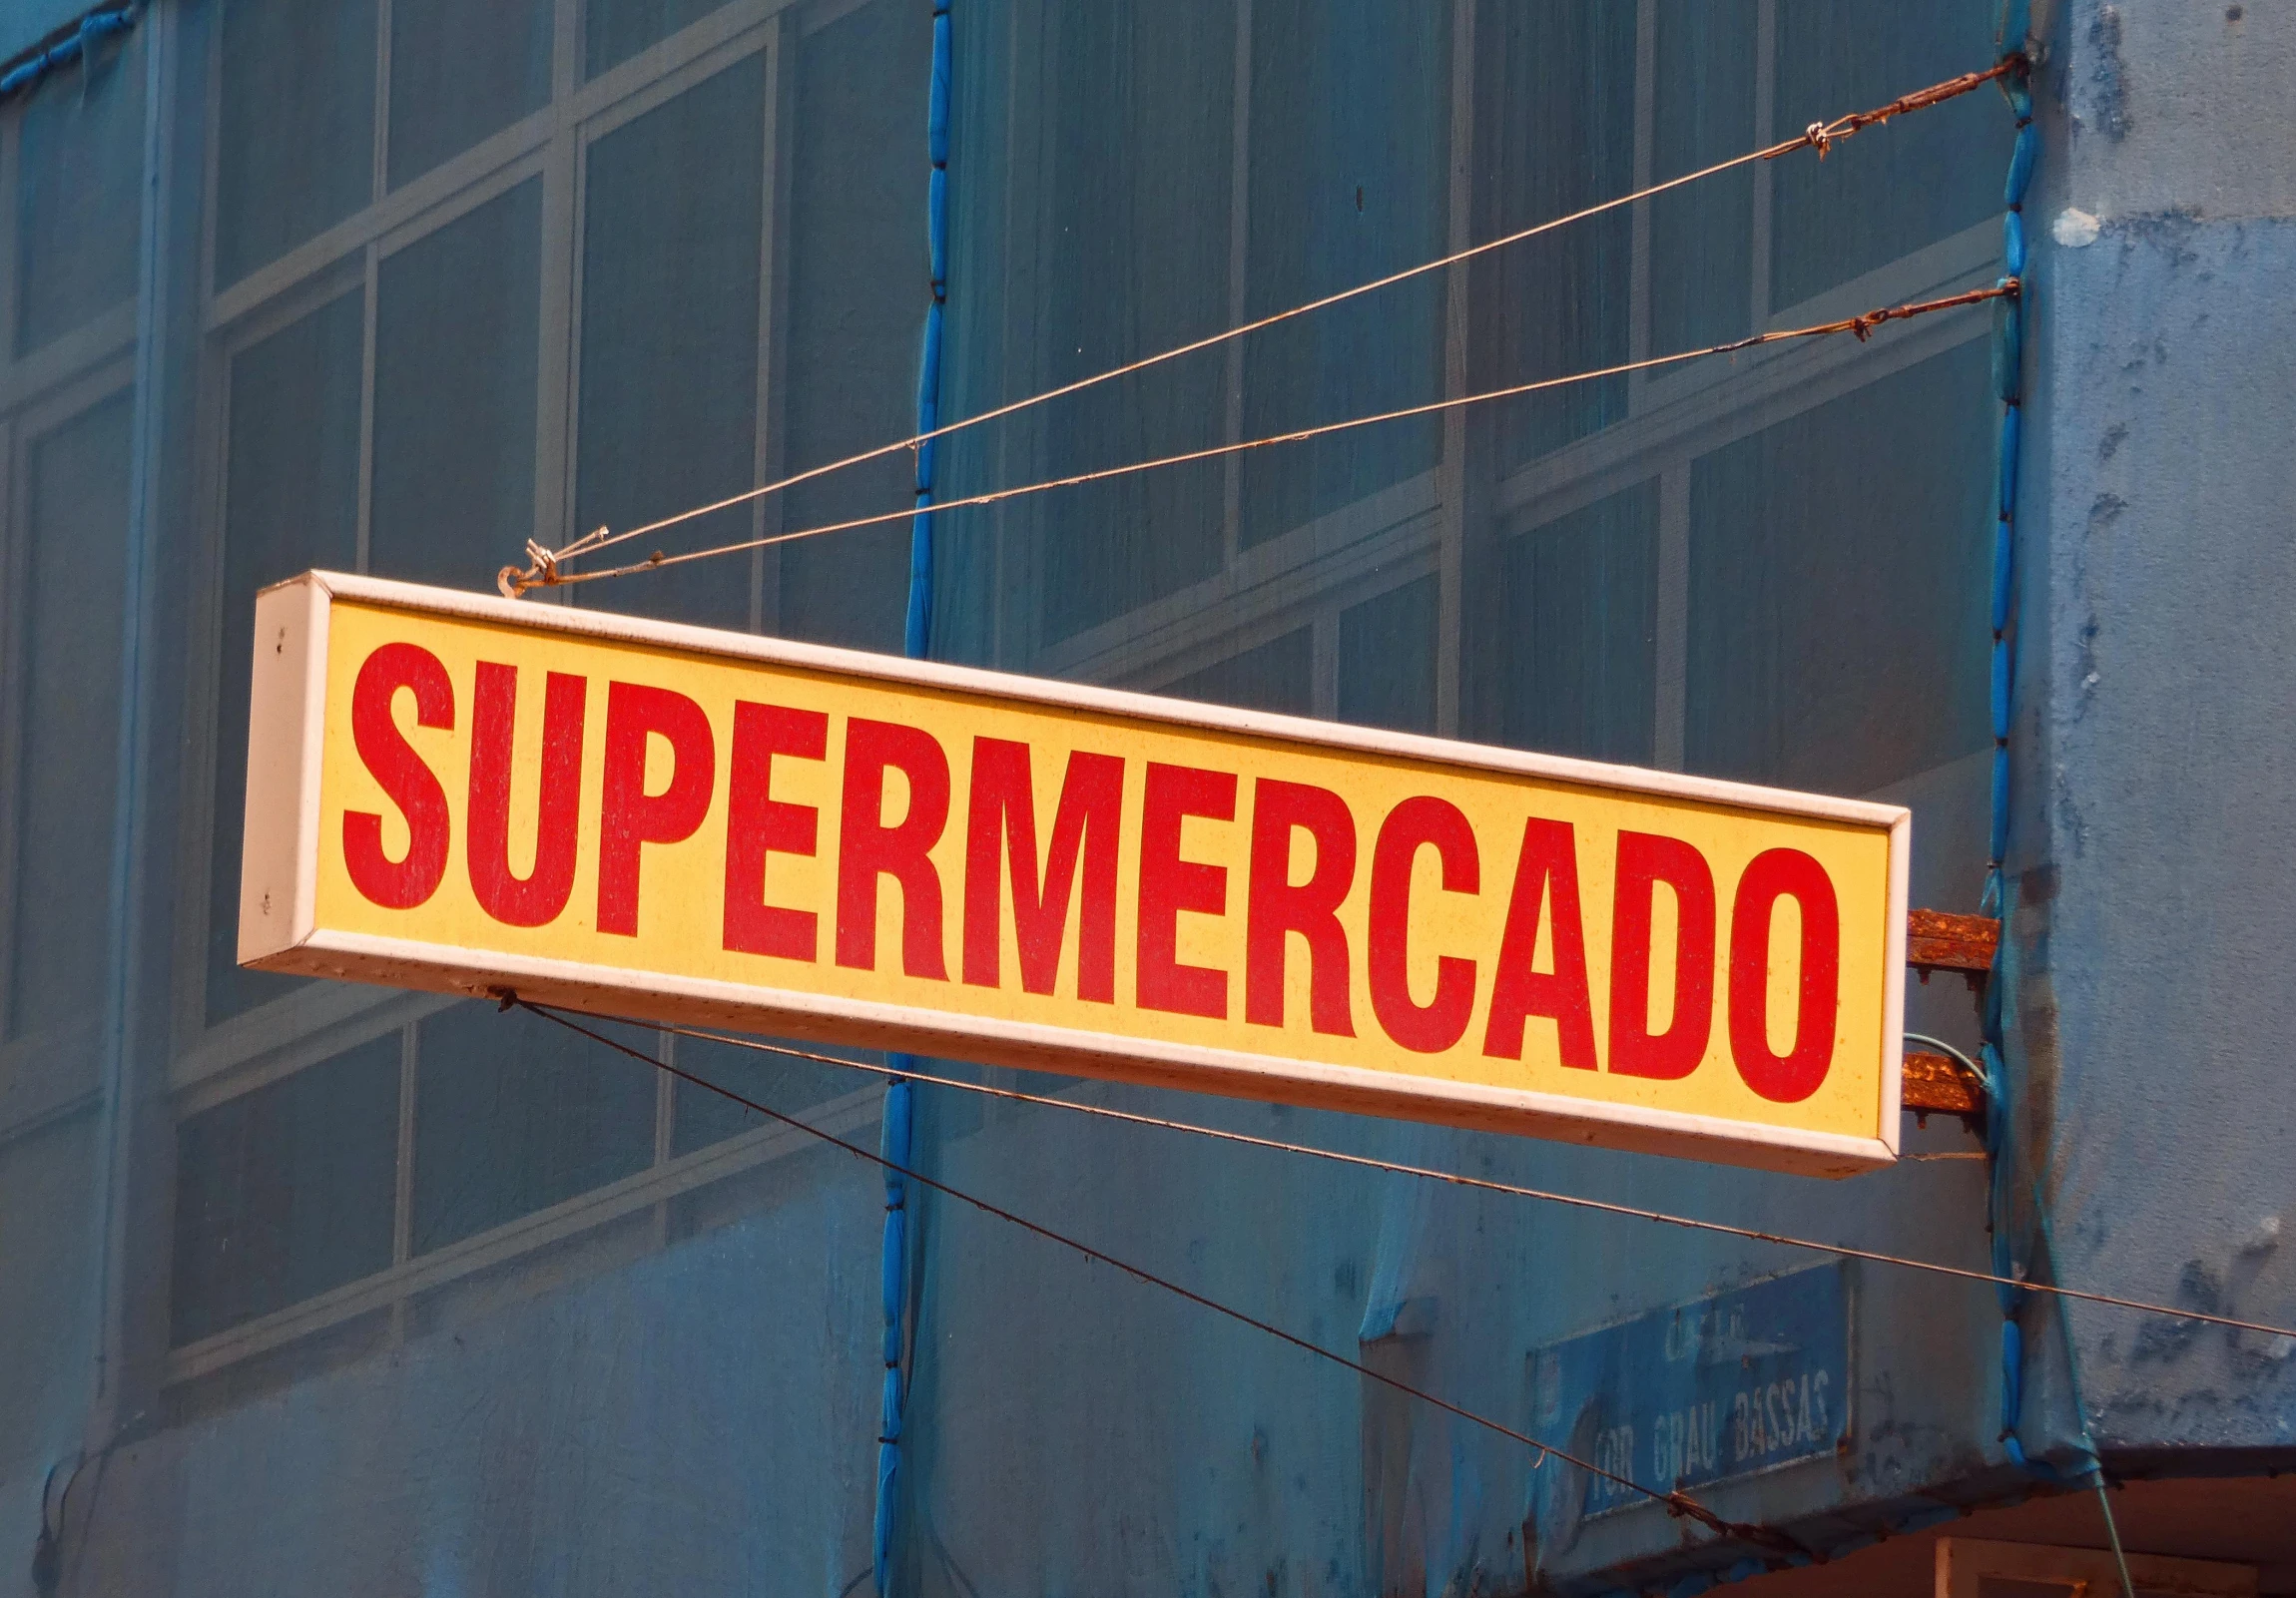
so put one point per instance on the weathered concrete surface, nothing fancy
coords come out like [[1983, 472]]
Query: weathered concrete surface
[[2156, 904]]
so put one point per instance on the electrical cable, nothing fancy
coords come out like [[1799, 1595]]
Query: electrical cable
[[1678, 1502], [1454, 1178], [1862, 327], [543, 570]]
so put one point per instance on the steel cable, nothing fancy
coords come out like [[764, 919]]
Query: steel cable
[[544, 568], [1678, 1502]]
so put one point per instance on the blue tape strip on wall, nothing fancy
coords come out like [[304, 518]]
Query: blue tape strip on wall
[[916, 642]]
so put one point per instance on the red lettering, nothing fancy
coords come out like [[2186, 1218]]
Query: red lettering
[[1413, 824], [535, 898], [757, 824], [1276, 906], [1085, 827], [869, 849], [1170, 884], [1546, 873], [1644, 860], [629, 816], [1772, 875], [396, 768]]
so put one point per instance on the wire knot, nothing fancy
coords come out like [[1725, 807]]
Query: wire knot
[[1821, 137], [542, 570]]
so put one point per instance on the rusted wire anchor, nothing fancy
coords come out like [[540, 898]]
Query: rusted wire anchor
[[542, 564], [1684, 1507], [1862, 327], [1820, 136]]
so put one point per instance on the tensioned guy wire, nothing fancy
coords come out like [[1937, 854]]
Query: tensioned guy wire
[[1454, 1178], [1678, 1502], [1861, 325], [544, 565]]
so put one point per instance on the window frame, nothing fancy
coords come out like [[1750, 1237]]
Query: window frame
[[210, 1063]]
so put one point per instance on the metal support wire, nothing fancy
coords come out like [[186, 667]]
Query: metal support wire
[[1859, 326], [898, 1128], [1365, 1161], [545, 565], [1678, 1502]]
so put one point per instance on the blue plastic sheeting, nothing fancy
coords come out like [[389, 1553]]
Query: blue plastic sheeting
[[694, 1421], [72, 47], [345, 1290], [916, 643], [27, 24]]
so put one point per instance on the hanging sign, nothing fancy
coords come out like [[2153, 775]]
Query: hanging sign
[[460, 793]]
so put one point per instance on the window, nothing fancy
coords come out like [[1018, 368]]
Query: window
[[1544, 571], [1835, 652], [1578, 660], [379, 1179], [79, 215], [508, 295], [451, 457], [296, 136]]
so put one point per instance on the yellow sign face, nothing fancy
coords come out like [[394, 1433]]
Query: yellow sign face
[[466, 793]]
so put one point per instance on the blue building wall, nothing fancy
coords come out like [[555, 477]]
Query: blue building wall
[[322, 1290], [2151, 910]]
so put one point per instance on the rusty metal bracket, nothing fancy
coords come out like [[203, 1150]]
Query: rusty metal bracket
[[1938, 940], [1937, 1084]]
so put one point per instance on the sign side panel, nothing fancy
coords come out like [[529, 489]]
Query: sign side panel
[[279, 881], [1893, 979]]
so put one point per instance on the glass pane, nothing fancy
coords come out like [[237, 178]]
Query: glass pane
[[290, 503], [68, 692], [672, 222], [1561, 138], [1350, 144], [777, 1081], [286, 1192], [860, 283], [459, 72], [513, 1114], [1838, 628], [456, 324], [616, 30], [1576, 653], [79, 210], [1388, 659], [1702, 235], [1277, 676], [1895, 187], [46, 1317], [1136, 261], [297, 138]]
